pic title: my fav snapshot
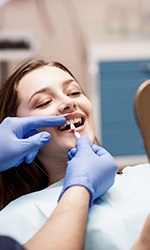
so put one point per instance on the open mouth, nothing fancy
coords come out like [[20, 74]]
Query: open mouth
[[77, 123]]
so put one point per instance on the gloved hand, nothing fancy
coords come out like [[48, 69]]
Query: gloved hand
[[20, 140], [92, 167]]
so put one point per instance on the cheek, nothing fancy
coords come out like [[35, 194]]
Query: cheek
[[90, 116], [88, 109], [22, 112], [86, 102]]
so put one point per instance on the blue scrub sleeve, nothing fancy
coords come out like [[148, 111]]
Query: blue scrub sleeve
[[7, 243]]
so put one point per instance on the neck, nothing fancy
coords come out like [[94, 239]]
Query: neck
[[55, 169]]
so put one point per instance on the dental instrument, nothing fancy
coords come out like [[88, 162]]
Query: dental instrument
[[72, 127]]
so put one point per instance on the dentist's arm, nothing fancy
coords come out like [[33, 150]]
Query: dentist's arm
[[20, 140], [143, 242]]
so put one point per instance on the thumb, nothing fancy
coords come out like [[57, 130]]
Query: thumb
[[34, 143], [72, 153], [39, 140], [30, 157]]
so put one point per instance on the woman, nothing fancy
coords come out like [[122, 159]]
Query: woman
[[115, 221], [29, 97]]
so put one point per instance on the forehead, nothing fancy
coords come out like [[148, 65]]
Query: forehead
[[45, 74]]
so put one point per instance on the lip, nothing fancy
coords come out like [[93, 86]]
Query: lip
[[71, 117]]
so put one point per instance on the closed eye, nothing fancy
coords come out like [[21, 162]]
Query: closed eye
[[43, 104], [75, 93]]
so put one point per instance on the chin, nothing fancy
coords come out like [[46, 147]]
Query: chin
[[69, 144], [72, 144]]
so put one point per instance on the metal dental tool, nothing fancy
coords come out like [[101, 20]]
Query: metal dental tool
[[72, 127]]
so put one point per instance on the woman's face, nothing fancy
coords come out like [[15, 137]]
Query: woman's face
[[50, 91]]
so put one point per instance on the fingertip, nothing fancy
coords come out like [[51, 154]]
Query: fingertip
[[38, 140], [71, 153], [44, 136], [30, 157], [63, 118]]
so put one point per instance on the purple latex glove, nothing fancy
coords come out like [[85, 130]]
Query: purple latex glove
[[20, 140], [92, 167]]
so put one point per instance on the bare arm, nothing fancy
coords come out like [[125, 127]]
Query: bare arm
[[143, 242], [65, 229]]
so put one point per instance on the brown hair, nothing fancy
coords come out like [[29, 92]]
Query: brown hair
[[26, 178]]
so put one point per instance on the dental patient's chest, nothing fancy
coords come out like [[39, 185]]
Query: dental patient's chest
[[115, 221]]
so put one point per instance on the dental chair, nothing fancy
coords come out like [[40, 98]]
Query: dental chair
[[142, 113]]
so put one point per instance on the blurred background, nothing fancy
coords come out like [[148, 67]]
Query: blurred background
[[106, 45]]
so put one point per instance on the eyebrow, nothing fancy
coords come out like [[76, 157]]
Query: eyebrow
[[44, 90], [68, 81]]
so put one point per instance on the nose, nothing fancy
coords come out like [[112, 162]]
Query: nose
[[67, 106]]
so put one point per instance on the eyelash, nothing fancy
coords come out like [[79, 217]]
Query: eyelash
[[75, 93], [47, 102], [43, 104]]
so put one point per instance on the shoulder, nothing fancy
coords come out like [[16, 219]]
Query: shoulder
[[140, 169], [17, 219], [13, 218]]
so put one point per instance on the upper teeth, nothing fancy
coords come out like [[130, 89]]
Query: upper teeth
[[68, 122]]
